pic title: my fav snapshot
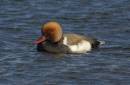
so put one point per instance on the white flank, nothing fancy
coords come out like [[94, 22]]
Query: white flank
[[81, 47]]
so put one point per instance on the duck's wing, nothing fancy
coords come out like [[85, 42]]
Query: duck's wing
[[76, 38]]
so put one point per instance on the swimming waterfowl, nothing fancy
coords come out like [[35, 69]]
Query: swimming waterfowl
[[53, 40]]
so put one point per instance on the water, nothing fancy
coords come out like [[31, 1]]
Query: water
[[107, 20]]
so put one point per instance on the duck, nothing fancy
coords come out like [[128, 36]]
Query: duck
[[53, 40]]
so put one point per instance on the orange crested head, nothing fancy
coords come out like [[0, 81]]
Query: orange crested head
[[52, 31]]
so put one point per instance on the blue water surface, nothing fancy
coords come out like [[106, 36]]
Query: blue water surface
[[107, 20]]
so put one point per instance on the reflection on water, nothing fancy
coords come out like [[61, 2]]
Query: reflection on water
[[107, 20]]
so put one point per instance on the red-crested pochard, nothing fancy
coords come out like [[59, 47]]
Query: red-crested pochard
[[53, 40]]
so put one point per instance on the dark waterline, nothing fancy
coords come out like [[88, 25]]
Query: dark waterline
[[107, 20]]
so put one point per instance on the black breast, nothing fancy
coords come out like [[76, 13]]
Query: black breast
[[53, 47]]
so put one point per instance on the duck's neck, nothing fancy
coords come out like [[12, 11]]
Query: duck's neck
[[60, 41]]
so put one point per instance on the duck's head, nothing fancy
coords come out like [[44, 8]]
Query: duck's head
[[51, 31]]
